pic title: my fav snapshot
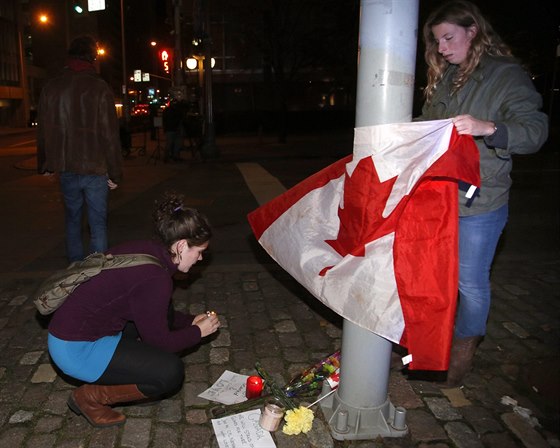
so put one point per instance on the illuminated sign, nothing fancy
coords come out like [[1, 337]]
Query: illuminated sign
[[165, 56], [96, 5]]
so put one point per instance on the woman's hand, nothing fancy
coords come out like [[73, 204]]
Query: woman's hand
[[208, 323], [468, 125]]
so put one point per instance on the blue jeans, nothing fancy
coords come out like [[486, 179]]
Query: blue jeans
[[478, 239], [93, 189], [173, 144]]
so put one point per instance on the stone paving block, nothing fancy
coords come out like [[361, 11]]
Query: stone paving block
[[48, 424], [197, 437], [510, 370], [320, 435], [424, 427], [316, 340], [424, 388], [136, 433], [104, 437], [196, 416], [256, 307], [499, 440], [42, 441], [13, 437], [2, 372], [17, 301], [21, 416], [433, 445], [260, 322], [243, 359], [285, 326], [295, 355], [223, 339], [516, 329], [56, 404], [170, 411], [290, 339], [481, 420], [219, 355], [238, 326], [11, 393], [196, 372], [463, 436], [456, 397], [331, 330], [401, 392], [284, 441], [250, 286], [31, 358], [44, 374], [35, 395], [524, 431], [516, 290], [190, 394], [166, 437], [214, 372], [441, 408], [279, 314], [145, 410], [266, 344]]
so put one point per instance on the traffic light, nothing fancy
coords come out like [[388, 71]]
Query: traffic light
[[166, 58]]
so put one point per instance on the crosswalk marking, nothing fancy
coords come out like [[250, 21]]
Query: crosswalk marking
[[262, 184]]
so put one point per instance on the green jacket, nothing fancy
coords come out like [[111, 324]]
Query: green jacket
[[500, 91]]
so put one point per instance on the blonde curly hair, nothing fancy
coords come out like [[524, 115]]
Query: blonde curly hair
[[486, 41]]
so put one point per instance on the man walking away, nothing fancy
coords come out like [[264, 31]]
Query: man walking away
[[78, 139]]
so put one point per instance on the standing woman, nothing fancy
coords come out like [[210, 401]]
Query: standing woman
[[87, 337], [474, 80]]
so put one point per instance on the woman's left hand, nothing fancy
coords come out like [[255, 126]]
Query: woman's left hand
[[468, 125]]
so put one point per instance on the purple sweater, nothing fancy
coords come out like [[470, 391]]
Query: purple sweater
[[141, 294]]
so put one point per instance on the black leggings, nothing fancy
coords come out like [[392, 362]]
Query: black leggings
[[154, 371]]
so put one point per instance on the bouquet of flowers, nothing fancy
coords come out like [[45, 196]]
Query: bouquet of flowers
[[310, 381]]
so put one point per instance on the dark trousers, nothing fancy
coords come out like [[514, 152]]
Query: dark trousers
[[155, 372]]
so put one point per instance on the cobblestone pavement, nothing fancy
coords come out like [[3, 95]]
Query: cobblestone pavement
[[510, 399]]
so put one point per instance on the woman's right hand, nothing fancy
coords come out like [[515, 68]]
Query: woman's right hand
[[208, 324]]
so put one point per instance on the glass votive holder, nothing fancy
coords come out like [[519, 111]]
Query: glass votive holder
[[271, 415]]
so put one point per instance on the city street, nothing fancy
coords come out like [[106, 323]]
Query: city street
[[511, 398]]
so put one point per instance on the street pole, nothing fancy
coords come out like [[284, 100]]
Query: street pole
[[209, 149], [360, 408], [126, 111], [178, 53]]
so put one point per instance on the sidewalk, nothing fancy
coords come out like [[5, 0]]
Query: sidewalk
[[511, 399]]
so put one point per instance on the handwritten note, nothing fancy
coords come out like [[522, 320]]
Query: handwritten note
[[228, 389], [242, 431]]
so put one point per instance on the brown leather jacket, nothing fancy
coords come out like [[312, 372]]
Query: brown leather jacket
[[78, 128]]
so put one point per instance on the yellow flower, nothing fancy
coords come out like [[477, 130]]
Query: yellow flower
[[298, 420]]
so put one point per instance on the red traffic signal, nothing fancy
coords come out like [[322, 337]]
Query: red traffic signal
[[166, 58]]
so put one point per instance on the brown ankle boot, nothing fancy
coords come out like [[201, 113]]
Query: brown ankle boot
[[92, 402], [462, 352]]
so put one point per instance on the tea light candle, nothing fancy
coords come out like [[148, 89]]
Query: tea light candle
[[271, 415], [254, 387]]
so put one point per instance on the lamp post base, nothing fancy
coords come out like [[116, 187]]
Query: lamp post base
[[347, 422]]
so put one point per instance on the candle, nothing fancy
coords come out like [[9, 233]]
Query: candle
[[254, 387], [271, 415]]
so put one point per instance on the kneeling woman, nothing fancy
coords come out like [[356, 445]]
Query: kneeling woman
[[87, 337]]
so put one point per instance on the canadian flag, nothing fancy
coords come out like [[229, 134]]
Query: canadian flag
[[374, 235]]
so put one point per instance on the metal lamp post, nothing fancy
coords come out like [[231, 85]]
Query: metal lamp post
[[360, 408]]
